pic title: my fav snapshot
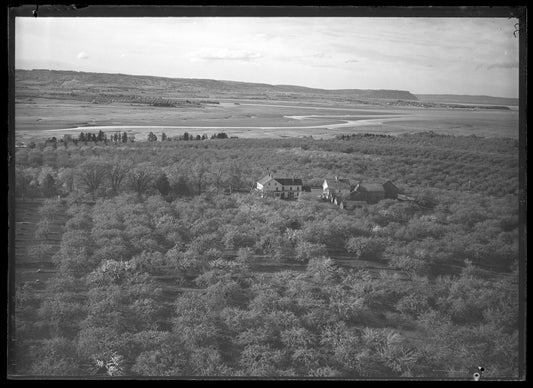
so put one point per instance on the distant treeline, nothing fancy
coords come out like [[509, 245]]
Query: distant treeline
[[118, 98], [153, 101], [118, 137], [188, 136], [426, 104], [358, 135], [85, 137]]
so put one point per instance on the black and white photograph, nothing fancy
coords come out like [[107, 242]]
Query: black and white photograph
[[309, 193]]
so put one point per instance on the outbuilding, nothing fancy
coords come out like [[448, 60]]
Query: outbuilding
[[335, 186]]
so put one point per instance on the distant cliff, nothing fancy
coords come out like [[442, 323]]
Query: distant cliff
[[389, 94], [72, 84], [467, 99]]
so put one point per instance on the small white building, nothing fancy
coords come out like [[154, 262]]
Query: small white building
[[335, 187], [284, 188]]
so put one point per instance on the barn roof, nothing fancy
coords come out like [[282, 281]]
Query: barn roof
[[338, 184], [371, 187], [356, 196], [390, 184]]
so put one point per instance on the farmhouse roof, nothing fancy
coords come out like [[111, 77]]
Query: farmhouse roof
[[264, 179], [289, 181], [281, 181]]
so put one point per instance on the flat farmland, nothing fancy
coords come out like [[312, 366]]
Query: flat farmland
[[43, 118]]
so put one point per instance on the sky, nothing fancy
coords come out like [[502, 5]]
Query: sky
[[475, 56]]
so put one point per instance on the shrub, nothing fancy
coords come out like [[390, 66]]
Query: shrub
[[413, 304], [306, 250], [410, 265], [365, 247]]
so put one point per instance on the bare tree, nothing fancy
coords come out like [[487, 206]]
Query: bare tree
[[199, 171], [140, 178], [23, 181], [116, 173], [235, 176], [218, 175], [66, 177], [92, 173]]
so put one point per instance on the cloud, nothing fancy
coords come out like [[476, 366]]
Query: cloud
[[351, 61], [209, 54], [320, 55], [266, 36], [83, 55], [497, 65], [503, 65]]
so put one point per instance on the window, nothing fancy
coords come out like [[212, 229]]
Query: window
[[282, 188], [276, 188], [298, 188], [290, 188]]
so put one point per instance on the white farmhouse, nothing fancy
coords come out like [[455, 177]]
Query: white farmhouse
[[284, 188]]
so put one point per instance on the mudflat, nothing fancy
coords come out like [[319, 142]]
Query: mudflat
[[45, 117]]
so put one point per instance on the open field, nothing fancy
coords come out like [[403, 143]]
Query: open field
[[44, 118]]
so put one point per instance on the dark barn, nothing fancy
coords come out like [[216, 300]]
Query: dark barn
[[369, 192]]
